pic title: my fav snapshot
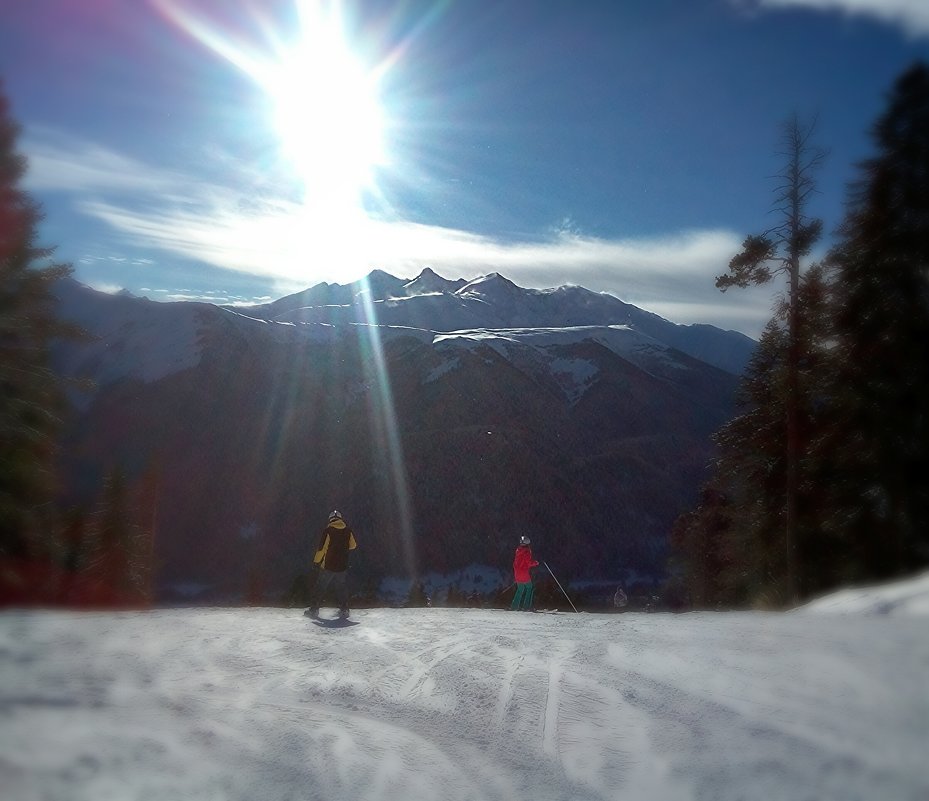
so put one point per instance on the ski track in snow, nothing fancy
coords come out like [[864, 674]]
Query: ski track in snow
[[259, 705]]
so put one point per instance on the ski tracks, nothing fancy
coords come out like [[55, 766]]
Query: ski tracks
[[554, 711], [463, 705], [541, 706]]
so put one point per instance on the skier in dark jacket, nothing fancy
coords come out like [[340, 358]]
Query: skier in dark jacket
[[522, 561], [335, 542]]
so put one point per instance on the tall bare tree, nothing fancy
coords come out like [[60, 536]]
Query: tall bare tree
[[780, 251]]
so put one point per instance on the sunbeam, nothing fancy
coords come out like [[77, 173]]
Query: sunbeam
[[384, 422]]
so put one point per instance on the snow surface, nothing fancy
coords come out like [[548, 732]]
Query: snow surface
[[908, 597], [449, 704]]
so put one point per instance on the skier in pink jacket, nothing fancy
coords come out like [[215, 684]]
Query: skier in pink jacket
[[522, 600]]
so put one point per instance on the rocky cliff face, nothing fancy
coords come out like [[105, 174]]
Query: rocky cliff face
[[443, 418]]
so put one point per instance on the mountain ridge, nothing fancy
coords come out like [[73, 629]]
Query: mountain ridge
[[494, 302]]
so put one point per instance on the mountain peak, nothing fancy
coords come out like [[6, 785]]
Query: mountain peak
[[492, 285], [380, 285], [429, 282]]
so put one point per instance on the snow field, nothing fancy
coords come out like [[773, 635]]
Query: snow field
[[455, 704]]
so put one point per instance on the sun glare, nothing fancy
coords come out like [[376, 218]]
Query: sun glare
[[324, 100], [326, 110]]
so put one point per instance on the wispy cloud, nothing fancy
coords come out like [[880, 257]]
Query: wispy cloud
[[911, 15], [64, 163], [229, 228]]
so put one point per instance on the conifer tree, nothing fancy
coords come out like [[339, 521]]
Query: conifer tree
[[118, 559], [417, 596], [881, 396], [862, 414], [730, 550], [30, 392], [700, 565]]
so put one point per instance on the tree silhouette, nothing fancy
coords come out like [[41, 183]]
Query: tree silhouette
[[881, 394], [31, 397], [780, 250]]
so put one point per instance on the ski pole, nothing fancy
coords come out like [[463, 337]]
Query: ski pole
[[559, 585]]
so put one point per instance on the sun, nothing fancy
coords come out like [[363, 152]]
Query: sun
[[326, 109], [323, 98]]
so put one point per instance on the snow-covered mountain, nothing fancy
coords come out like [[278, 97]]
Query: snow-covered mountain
[[493, 302], [132, 337], [445, 417], [418, 704], [148, 340]]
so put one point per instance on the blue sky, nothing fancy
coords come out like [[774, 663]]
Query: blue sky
[[188, 149]]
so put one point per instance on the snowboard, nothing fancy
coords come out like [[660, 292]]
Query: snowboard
[[334, 623], [330, 622]]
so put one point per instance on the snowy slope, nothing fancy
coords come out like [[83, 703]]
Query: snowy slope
[[906, 597], [423, 704], [637, 348], [131, 337]]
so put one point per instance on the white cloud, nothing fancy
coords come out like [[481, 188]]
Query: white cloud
[[279, 239], [911, 15]]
